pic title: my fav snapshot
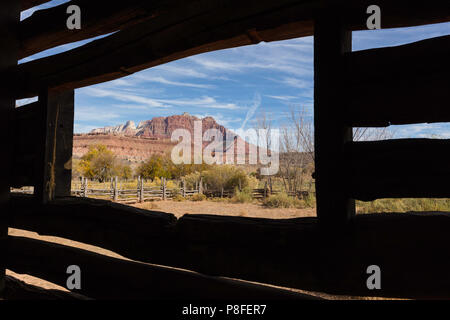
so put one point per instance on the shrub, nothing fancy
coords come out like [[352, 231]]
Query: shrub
[[191, 180], [226, 177], [178, 197], [198, 197], [243, 196], [282, 200], [310, 200]]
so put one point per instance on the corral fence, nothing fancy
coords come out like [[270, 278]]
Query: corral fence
[[139, 194], [145, 193]]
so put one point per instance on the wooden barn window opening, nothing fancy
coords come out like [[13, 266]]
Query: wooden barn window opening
[[148, 36]]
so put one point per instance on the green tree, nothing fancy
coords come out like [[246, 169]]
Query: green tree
[[124, 171], [98, 163], [155, 167]]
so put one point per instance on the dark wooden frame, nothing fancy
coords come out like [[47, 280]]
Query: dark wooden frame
[[169, 32]]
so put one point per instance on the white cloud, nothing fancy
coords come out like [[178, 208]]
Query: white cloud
[[92, 114], [162, 80], [283, 98], [296, 83]]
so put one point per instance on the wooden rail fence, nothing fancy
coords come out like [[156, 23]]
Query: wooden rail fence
[[142, 193]]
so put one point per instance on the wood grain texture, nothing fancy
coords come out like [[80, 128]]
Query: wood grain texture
[[28, 120], [295, 253], [27, 4], [399, 85], [105, 277], [331, 41], [47, 28], [399, 168], [55, 147], [9, 20], [201, 26]]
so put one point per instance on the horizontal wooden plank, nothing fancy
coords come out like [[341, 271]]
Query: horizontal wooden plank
[[105, 277], [398, 168], [294, 253], [197, 27], [98, 222], [27, 4], [16, 289], [29, 128], [298, 253], [399, 85], [47, 28]]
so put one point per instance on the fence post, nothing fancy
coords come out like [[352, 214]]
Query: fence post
[[116, 192], [163, 180], [184, 189], [138, 189], [86, 191], [200, 186], [83, 190], [142, 189], [265, 190], [111, 187]]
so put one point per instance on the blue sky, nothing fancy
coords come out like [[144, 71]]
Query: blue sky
[[234, 86]]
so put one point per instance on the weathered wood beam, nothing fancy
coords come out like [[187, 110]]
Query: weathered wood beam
[[193, 28], [104, 277], [27, 4], [16, 289], [261, 250], [55, 147], [399, 169], [331, 41], [267, 251], [28, 126], [47, 28], [399, 85], [98, 222], [9, 20]]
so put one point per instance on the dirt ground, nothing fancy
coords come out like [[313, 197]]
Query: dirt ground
[[179, 208]]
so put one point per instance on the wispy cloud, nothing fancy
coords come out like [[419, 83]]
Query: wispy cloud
[[173, 83], [283, 98], [296, 83], [123, 96], [201, 102]]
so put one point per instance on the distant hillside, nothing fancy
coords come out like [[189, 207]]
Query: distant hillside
[[137, 143]]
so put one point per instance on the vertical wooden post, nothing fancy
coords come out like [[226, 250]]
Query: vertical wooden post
[[184, 188], [86, 191], [55, 166], [200, 186], [142, 190], [9, 42], [139, 189], [331, 41], [265, 189], [163, 188], [116, 191]]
